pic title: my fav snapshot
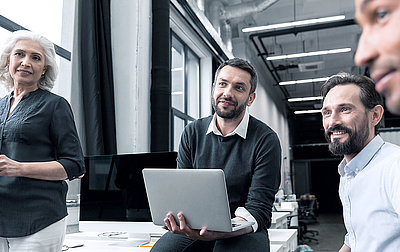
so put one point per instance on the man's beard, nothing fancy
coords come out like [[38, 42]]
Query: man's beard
[[353, 144], [233, 114]]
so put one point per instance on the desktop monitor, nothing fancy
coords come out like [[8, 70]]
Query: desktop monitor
[[113, 188]]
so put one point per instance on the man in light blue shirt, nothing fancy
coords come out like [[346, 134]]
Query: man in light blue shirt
[[370, 170]]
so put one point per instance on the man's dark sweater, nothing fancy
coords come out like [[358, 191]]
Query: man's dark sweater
[[251, 166]]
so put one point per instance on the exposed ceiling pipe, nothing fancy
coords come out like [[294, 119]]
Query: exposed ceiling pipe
[[244, 9], [200, 4], [220, 16], [217, 10]]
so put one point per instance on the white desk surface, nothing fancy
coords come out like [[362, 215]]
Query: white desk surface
[[286, 206], [285, 209], [90, 230], [126, 226], [286, 237], [276, 248], [290, 207], [279, 219]]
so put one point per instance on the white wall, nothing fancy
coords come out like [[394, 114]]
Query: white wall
[[131, 50]]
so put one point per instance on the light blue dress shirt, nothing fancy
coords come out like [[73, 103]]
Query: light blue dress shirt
[[370, 193]]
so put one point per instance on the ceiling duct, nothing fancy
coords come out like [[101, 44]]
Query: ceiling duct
[[312, 66], [220, 15]]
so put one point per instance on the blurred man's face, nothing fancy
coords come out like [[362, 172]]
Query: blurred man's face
[[379, 46]]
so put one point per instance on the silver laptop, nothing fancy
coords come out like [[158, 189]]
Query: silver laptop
[[200, 194]]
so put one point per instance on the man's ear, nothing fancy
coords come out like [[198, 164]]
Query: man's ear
[[376, 114], [252, 97]]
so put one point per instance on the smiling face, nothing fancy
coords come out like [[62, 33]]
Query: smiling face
[[231, 93], [27, 63], [348, 125], [379, 46]]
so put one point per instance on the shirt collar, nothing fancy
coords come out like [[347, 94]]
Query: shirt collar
[[240, 130], [362, 159]]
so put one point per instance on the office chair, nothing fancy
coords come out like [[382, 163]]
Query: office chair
[[307, 215]]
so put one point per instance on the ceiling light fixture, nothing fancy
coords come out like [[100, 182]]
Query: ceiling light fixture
[[322, 79], [315, 98], [294, 23], [307, 54], [298, 112]]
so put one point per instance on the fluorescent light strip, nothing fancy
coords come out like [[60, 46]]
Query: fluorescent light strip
[[294, 23], [305, 99], [303, 81], [298, 112], [307, 54]]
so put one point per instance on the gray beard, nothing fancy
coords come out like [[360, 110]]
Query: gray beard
[[354, 144]]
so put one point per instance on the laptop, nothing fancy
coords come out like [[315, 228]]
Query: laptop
[[200, 194]]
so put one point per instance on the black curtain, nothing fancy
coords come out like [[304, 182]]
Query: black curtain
[[160, 97], [97, 76]]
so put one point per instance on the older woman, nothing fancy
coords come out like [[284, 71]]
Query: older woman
[[39, 147]]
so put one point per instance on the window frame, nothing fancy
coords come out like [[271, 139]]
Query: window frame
[[184, 115]]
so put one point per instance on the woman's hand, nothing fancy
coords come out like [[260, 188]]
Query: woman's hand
[[9, 167], [50, 170]]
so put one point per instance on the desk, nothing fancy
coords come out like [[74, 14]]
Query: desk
[[285, 237], [276, 248], [136, 231], [89, 231], [290, 207], [279, 220]]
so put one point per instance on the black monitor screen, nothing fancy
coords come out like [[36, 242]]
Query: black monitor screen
[[113, 188]]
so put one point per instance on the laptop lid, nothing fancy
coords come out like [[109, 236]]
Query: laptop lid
[[200, 194]]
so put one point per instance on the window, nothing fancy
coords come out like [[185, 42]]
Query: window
[[185, 86]]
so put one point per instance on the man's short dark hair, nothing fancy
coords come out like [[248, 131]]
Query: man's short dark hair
[[241, 64], [368, 95]]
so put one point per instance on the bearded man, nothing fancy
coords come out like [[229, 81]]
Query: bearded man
[[370, 170], [249, 153]]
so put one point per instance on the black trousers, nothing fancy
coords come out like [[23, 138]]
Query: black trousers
[[253, 242]]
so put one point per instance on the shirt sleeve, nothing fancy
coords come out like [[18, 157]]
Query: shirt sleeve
[[242, 212], [346, 240], [184, 153], [393, 184], [65, 138], [265, 180]]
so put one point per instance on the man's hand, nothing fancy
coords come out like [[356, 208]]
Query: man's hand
[[205, 235], [344, 248]]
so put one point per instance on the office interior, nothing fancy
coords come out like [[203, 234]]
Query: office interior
[[137, 72]]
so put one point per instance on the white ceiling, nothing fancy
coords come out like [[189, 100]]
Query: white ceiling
[[322, 39]]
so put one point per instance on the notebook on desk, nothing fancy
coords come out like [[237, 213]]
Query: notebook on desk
[[200, 194]]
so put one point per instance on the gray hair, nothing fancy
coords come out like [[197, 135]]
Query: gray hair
[[368, 94], [50, 75]]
